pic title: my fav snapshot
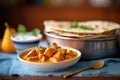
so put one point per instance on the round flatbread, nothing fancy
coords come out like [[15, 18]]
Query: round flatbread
[[89, 28]]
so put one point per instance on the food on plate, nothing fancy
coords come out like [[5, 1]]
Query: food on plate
[[84, 29], [50, 54], [7, 44]]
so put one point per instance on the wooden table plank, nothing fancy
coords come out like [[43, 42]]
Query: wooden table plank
[[58, 78]]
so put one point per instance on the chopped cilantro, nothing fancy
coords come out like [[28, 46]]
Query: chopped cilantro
[[21, 28], [35, 31], [84, 27]]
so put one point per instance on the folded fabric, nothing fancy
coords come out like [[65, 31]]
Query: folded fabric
[[11, 66]]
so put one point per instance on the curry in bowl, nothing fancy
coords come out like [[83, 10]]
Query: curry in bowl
[[51, 54]]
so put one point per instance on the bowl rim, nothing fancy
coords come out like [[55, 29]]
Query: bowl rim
[[70, 38], [41, 63], [36, 39]]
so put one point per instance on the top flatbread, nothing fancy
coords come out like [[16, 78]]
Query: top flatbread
[[99, 28]]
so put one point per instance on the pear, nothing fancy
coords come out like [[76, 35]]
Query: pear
[[7, 44]]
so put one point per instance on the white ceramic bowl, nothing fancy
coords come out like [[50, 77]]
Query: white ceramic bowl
[[49, 66], [24, 42]]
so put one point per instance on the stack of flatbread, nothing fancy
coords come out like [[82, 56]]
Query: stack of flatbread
[[99, 28]]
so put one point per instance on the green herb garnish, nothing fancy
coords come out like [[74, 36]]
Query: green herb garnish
[[74, 25], [21, 28], [51, 46], [35, 31], [84, 27], [39, 47]]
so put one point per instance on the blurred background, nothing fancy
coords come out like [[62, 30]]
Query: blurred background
[[32, 13]]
